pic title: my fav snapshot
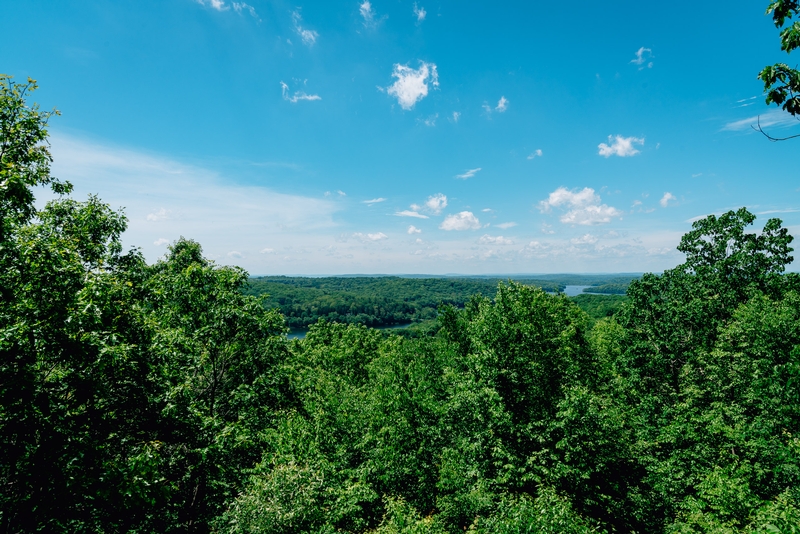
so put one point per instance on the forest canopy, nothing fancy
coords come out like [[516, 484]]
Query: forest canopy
[[163, 397]]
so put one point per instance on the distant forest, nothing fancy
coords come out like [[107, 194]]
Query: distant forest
[[391, 300]]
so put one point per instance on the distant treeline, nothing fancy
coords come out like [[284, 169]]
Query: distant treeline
[[372, 301]]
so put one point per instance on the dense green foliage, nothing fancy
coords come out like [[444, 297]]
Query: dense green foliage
[[372, 301], [599, 306], [162, 398]]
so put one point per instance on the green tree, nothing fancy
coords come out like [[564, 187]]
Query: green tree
[[781, 82], [24, 155]]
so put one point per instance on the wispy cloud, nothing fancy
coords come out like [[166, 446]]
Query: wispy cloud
[[239, 7], [535, 154], [161, 242], [665, 200], [773, 117], [309, 37], [370, 238], [368, 14], [585, 239], [297, 96], [620, 146], [785, 210], [413, 230], [506, 225], [431, 120], [159, 215], [584, 207], [468, 174], [456, 116], [410, 213], [373, 201], [419, 12], [643, 58], [495, 240], [165, 198], [464, 220], [411, 85]]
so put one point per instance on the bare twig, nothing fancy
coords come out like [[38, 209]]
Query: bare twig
[[773, 139]]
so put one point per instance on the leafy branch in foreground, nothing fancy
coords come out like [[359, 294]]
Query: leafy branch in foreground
[[781, 82]]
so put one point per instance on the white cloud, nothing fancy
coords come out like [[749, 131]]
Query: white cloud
[[419, 12], [502, 104], [492, 240], [160, 215], [370, 238], [591, 215], [161, 242], [506, 225], [643, 55], [564, 197], [309, 37], [468, 174], [411, 85], [666, 198], [773, 117], [413, 230], [239, 7], [409, 213], [373, 201], [535, 154], [219, 5], [436, 203], [235, 254], [585, 207], [298, 95], [586, 239], [464, 220], [456, 116], [341, 193], [620, 146], [267, 251]]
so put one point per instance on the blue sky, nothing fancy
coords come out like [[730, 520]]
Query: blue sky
[[390, 136]]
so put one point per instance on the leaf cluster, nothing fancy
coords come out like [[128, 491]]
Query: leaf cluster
[[781, 82]]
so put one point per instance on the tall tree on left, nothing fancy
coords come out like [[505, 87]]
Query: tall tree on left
[[131, 396], [72, 378]]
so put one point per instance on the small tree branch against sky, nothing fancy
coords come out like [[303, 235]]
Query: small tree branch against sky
[[781, 82]]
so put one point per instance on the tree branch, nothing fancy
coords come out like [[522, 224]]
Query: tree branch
[[773, 139]]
